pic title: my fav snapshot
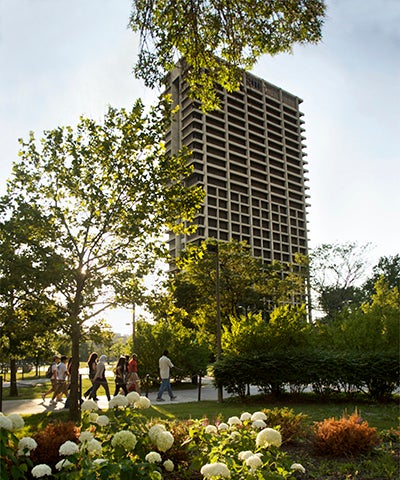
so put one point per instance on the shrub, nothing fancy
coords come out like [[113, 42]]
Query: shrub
[[348, 436], [50, 439], [291, 425]]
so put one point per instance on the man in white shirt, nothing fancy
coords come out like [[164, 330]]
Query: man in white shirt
[[165, 365], [62, 373]]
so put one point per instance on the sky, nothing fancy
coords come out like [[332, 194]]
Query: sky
[[60, 59]]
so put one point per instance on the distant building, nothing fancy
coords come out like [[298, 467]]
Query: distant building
[[249, 158]]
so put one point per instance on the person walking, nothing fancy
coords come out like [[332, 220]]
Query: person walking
[[133, 380], [100, 379], [62, 386], [119, 372], [165, 366], [92, 364], [56, 361]]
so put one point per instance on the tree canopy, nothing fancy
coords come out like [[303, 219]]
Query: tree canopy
[[107, 192], [218, 38]]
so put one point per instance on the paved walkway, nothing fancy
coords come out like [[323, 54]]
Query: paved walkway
[[29, 407]]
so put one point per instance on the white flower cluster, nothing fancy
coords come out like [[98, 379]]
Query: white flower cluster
[[159, 437], [85, 436], [232, 421], [124, 439], [169, 465], [245, 416], [223, 426], [132, 397], [102, 420], [41, 470], [89, 405], [11, 422], [211, 429], [299, 467], [142, 403], [153, 457], [217, 469], [68, 448], [118, 401], [267, 437], [25, 446], [64, 464], [252, 460]]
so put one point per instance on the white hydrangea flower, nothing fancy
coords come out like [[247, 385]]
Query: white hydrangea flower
[[234, 421], [154, 431], [235, 435], [102, 420], [164, 441], [245, 454], [142, 403], [99, 461], [89, 405], [65, 463], [153, 457], [267, 437], [93, 417], [245, 416], [254, 461], [258, 424], [169, 465], [124, 439], [41, 470], [156, 475], [85, 436], [211, 429], [68, 448], [258, 416], [25, 446], [133, 397], [299, 467], [6, 423], [118, 401], [210, 470], [17, 421], [223, 426], [93, 446]]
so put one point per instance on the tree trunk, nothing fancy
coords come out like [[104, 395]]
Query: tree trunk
[[13, 378], [75, 394]]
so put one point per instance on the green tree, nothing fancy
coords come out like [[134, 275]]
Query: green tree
[[389, 268], [27, 270], [218, 38], [336, 271], [109, 190]]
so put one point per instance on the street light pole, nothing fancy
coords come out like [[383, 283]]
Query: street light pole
[[133, 326], [215, 249]]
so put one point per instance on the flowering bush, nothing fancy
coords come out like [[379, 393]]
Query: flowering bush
[[125, 444]]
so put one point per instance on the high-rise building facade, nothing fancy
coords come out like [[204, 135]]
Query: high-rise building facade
[[249, 158]]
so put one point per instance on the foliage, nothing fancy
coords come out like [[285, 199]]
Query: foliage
[[50, 439], [348, 436], [375, 374], [336, 269], [389, 268], [216, 39], [107, 191], [187, 348], [123, 443], [28, 314], [246, 286], [291, 425]]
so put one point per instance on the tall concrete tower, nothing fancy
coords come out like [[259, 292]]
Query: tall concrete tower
[[249, 157]]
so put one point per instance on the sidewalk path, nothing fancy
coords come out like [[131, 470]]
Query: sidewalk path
[[30, 407]]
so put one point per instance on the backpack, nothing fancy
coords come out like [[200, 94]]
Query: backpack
[[49, 372]]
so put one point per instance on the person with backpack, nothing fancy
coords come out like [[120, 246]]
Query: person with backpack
[[53, 369]]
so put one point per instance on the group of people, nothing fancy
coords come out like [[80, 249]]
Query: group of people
[[125, 375]]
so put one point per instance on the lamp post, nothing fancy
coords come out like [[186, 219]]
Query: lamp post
[[214, 249], [133, 326]]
